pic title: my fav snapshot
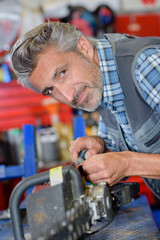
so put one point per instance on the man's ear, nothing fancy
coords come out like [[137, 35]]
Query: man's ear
[[85, 47]]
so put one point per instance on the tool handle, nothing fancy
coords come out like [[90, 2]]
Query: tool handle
[[81, 156], [82, 153]]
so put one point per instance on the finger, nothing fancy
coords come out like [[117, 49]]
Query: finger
[[93, 178], [108, 181], [95, 175], [94, 143], [90, 165], [95, 163], [91, 152], [74, 156], [73, 146], [76, 146]]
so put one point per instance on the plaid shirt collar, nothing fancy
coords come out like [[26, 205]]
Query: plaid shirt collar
[[112, 88]]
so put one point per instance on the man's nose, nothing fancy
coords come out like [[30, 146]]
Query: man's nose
[[66, 91]]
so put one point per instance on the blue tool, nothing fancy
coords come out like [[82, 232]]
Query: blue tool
[[81, 156]]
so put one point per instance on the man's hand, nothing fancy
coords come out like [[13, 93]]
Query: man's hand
[[101, 165], [108, 167], [94, 144]]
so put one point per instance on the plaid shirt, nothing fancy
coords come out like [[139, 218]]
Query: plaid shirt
[[147, 72]]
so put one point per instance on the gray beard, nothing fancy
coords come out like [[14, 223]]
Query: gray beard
[[89, 109], [96, 84]]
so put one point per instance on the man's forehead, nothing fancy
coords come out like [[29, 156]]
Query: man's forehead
[[48, 66]]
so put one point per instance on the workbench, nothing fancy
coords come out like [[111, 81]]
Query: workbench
[[132, 222]]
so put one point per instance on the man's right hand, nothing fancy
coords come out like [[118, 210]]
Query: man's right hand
[[94, 144]]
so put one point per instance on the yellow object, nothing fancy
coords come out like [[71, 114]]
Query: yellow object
[[56, 175], [1, 75], [65, 133]]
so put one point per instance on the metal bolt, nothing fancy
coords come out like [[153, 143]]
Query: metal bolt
[[53, 231], [70, 227]]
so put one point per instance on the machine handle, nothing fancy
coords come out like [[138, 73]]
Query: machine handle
[[22, 186]]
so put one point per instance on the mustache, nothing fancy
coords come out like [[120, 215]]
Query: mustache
[[74, 102]]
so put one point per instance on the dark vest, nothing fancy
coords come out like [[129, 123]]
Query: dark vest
[[143, 120]]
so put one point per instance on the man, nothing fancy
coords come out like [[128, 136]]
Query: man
[[119, 76]]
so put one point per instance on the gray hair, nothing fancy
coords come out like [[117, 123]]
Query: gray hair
[[25, 52]]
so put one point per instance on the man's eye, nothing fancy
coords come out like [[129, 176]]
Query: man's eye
[[62, 73], [49, 91]]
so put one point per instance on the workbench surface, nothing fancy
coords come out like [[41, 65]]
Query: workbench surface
[[132, 222]]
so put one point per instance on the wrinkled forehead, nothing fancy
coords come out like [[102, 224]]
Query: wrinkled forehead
[[48, 66]]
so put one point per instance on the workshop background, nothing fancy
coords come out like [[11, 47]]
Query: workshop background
[[52, 121]]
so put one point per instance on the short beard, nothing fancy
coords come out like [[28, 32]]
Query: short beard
[[96, 85]]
